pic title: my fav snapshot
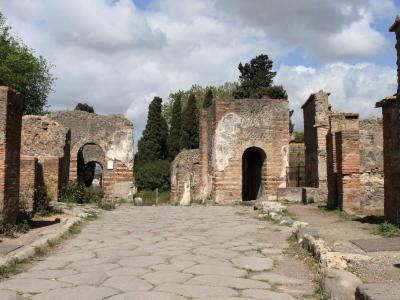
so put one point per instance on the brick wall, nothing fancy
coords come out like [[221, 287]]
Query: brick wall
[[51, 176], [348, 170], [28, 180], [10, 145]]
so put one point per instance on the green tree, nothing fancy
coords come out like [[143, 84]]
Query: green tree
[[20, 69], [84, 107], [208, 98], [175, 129], [190, 125], [153, 144], [254, 75], [151, 175]]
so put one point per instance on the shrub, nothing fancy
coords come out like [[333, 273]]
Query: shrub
[[77, 192], [42, 199]]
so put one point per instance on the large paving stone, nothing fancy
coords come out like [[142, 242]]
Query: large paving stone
[[216, 270], [141, 261], [196, 290], [160, 277], [128, 271], [339, 284], [266, 295], [46, 274], [276, 278], [9, 295], [30, 285], [253, 263], [378, 291], [91, 278], [233, 282], [147, 296], [80, 292], [127, 283]]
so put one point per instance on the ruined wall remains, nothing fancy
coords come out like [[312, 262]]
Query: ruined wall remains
[[316, 124], [371, 165], [10, 144], [227, 130], [28, 181], [185, 177], [49, 142], [338, 121], [112, 134], [348, 170]]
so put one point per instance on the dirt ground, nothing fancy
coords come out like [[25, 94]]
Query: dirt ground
[[338, 232]]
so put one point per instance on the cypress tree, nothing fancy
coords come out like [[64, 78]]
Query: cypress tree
[[190, 125], [208, 99], [175, 130], [153, 144]]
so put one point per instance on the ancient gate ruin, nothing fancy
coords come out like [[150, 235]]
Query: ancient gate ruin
[[242, 156], [100, 143]]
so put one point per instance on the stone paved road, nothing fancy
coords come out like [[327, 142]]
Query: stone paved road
[[168, 252]]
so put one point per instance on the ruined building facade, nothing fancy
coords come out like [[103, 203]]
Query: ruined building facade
[[102, 141], [343, 157], [243, 153], [391, 149]]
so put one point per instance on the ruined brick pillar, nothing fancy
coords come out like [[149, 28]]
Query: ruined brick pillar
[[316, 126], [10, 145], [338, 121], [348, 170], [28, 182], [51, 176]]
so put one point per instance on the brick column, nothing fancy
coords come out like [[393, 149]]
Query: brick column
[[348, 169], [10, 146], [51, 166], [27, 184]]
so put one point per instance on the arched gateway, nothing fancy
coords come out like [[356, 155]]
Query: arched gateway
[[253, 161]]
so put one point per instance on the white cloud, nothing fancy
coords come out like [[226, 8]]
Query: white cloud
[[117, 57], [353, 88]]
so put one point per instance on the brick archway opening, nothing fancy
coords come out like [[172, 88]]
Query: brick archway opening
[[253, 161], [90, 161]]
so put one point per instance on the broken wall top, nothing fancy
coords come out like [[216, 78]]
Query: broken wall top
[[42, 136]]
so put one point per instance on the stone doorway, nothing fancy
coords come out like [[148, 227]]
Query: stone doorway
[[252, 173], [90, 166]]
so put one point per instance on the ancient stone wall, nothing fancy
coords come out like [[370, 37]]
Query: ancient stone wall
[[49, 142], [106, 139], [227, 130], [316, 124], [185, 177], [371, 165], [10, 145]]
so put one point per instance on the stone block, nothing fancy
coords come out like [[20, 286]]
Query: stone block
[[290, 194], [378, 291], [339, 284]]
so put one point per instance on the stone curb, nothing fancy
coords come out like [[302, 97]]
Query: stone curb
[[336, 283], [29, 250]]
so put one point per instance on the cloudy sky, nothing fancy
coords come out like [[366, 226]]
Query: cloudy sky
[[117, 54]]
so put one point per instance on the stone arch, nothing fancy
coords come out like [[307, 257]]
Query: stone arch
[[90, 163], [254, 173]]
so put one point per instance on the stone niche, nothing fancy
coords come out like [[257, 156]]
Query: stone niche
[[49, 143], [104, 143], [243, 155], [10, 144]]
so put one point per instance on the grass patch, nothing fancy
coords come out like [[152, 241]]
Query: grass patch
[[339, 213], [388, 230], [150, 197], [298, 252]]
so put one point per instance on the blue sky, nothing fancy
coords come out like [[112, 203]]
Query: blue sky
[[118, 54]]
